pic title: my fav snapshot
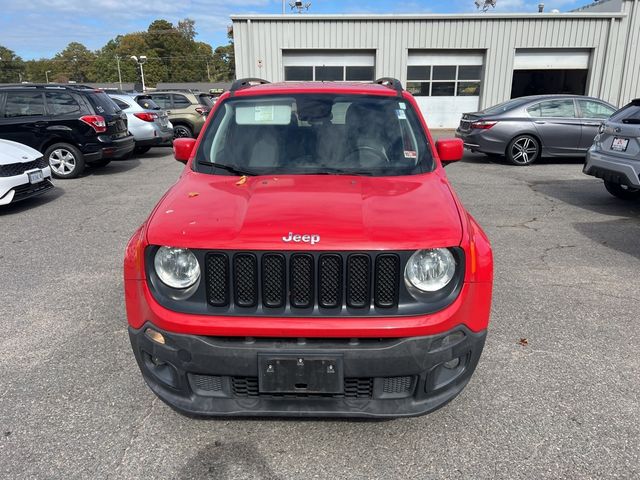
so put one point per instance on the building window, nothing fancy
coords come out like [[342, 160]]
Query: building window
[[298, 74], [359, 74], [444, 80], [329, 74]]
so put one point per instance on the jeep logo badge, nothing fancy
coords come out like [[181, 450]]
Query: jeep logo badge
[[312, 239]]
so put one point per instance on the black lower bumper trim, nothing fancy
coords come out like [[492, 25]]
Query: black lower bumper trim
[[216, 376]]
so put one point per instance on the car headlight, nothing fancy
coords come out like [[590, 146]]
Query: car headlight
[[177, 267], [430, 270]]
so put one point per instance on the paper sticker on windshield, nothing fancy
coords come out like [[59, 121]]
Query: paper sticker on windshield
[[402, 115], [410, 154], [402, 105], [263, 113]]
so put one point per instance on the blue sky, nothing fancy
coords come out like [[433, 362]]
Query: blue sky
[[40, 28]]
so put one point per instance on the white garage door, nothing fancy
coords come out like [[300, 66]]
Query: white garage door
[[445, 84], [551, 59], [331, 65]]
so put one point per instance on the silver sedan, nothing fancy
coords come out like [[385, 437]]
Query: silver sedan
[[527, 128]]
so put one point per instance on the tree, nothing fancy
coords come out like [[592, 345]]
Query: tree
[[224, 61], [75, 62], [11, 66]]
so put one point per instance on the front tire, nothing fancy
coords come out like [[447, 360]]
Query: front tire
[[182, 131], [523, 150], [65, 160], [623, 192]]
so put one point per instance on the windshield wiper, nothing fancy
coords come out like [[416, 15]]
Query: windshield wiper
[[228, 168], [336, 171]]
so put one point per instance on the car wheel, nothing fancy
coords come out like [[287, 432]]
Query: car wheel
[[65, 160], [100, 163], [622, 191], [182, 131], [523, 150], [141, 150]]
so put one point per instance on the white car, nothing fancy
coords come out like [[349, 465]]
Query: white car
[[23, 172]]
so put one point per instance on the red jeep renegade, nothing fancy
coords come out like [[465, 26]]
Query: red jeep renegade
[[312, 260]]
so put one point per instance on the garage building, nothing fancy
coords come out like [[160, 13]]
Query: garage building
[[453, 63]]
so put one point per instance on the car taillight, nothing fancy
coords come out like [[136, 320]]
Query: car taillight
[[202, 110], [96, 122], [483, 125], [147, 117]]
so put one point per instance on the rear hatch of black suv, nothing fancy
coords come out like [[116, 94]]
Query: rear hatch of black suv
[[114, 139]]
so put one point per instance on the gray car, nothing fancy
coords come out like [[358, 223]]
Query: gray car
[[526, 128], [148, 123], [615, 153]]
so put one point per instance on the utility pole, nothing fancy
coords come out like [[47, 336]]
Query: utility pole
[[119, 73], [283, 7], [208, 74]]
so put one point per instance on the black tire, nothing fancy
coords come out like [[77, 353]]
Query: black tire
[[100, 163], [141, 150], [523, 150], [623, 192], [182, 131], [65, 160]]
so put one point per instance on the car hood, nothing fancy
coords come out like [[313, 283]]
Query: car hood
[[13, 152], [342, 212]]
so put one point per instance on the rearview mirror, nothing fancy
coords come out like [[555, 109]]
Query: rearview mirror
[[182, 148], [449, 150]]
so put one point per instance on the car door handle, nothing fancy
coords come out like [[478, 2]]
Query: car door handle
[[592, 124], [540, 122]]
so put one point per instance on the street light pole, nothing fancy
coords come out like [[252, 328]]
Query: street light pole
[[140, 61], [119, 73], [46, 74]]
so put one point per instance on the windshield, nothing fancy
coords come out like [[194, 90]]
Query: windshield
[[145, 101], [315, 134]]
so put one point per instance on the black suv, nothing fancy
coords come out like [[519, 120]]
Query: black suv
[[72, 125]]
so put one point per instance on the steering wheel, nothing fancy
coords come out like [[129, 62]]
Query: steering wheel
[[379, 154]]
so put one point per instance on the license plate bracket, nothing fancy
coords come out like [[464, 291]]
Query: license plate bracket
[[36, 176], [619, 144], [300, 373]]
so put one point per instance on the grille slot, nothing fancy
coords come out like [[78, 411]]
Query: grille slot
[[301, 281], [330, 281], [397, 384], [386, 280], [217, 272], [13, 169], [358, 267], [245, 275], [274, 280], [207, 383], [353, 388]]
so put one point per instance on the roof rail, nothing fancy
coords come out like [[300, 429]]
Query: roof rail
[[243, 83], [391, 83], [76, 86]]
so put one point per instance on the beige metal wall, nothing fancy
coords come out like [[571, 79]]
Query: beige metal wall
[[612, 37]]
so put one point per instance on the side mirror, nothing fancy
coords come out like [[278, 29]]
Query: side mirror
[[182, 148], [449, 150]]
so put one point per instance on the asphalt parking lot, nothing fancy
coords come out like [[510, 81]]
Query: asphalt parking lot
[[556, 394]]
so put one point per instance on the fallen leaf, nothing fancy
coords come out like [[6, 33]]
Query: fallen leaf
[[524, 342], [242, 181], [193, 194]]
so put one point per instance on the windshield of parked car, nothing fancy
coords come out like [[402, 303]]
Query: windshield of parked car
[[145, 102], [315, 134]]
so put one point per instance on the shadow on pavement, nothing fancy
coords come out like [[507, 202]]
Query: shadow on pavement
[[621, 235], [117, 166], [33, 202]]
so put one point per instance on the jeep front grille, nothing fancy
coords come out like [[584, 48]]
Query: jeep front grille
[[302, 281]]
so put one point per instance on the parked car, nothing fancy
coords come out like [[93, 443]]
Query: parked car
[[149, 124], [311, 260], [187, 111], [615, 153], [72, 125], [527, 128], [24, 172]]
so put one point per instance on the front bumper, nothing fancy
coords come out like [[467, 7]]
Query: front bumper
[[612, 169], [17, 187], [383, 377]]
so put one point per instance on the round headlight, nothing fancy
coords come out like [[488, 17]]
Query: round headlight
[[177, 267], [430, 270]]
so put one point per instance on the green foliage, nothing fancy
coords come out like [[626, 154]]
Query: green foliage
[[173, 55]]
